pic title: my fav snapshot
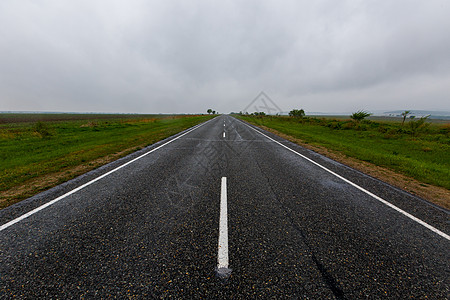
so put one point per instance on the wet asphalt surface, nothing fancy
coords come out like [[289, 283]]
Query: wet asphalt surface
[[150, 229]]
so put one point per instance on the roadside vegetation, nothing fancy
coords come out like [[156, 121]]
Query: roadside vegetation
[[416, 148], [39, 151]]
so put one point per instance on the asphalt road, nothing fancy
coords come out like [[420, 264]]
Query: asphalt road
[[295, 230]]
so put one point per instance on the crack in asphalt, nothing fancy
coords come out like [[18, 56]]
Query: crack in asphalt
[[329, 280]]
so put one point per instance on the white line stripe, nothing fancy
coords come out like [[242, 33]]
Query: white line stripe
[[10, 223], [222, 256], [446, 236], [224, 134]]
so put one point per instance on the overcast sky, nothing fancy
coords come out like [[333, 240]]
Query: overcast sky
[[187, 56]]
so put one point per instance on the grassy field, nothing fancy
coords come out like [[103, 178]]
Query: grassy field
[[38, 151], [418, 151]]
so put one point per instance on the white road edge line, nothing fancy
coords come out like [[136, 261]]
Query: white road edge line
[[18, 219], [224, 134], [435, 230], [222, 253]]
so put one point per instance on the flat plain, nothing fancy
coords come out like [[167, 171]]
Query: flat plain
[[39, 151]]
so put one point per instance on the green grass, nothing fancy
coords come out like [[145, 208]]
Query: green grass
[[423, 154], [35, 145]]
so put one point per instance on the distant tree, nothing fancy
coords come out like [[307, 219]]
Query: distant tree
[[260, 113], [209, 110], [404, 115], [360, 115], [213, 112], [298, 113]]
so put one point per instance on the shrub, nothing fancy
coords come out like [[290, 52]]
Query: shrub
[[42, 129], [418, 125], [334, 125], [348, 125], [445, 129], [361, 127], [259, 114], [382, 129]]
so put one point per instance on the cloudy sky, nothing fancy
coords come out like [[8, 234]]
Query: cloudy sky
[[186, 56]]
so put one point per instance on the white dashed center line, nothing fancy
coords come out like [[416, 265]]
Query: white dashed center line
[[222, 256]]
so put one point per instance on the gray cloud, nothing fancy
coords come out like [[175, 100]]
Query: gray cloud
[[180, 56]]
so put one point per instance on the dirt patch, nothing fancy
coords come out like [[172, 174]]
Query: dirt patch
[[42, 183], [434, 194]]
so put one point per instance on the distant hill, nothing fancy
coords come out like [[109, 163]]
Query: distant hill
[[318, 113], [421, 113]]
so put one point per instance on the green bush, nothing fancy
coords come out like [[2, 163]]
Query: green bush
[[417, 126], [42, 129]]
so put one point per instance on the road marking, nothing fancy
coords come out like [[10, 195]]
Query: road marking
[[18, 219], [224, 134], [435, 230], [222, 256]]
